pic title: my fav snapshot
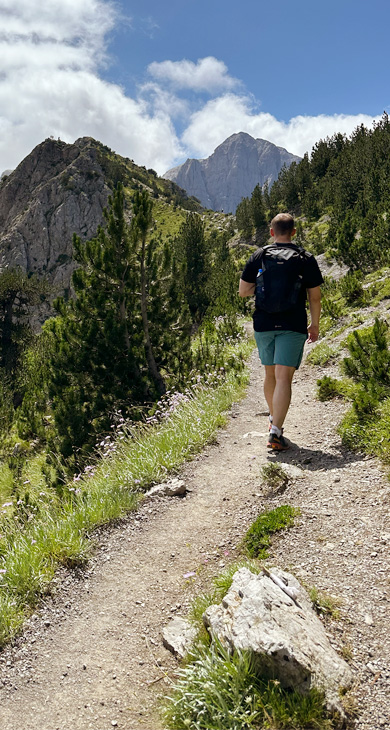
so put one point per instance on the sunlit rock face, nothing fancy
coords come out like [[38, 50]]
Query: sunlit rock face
[[232, 171]]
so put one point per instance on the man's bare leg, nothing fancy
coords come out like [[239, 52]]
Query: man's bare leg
[[269, 386], [281, 394]]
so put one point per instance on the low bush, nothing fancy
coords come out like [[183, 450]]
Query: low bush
[[331, 308], [351, 288], [369, 434], [328, 388]]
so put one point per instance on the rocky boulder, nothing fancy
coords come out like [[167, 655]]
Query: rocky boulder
[[257, 614], [58, 190]]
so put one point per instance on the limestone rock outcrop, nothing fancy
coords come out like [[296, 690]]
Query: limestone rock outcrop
[[57, 190], [232, 171], [258, 615]]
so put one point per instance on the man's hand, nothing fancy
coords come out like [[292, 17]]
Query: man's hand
[[313, 333]]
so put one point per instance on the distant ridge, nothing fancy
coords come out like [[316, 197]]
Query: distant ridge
[[232, 171], [60, 189]]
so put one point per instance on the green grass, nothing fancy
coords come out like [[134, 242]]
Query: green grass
[[6, 482], [370, 435], [37, 538], [168, 219], [274, 476], [257, 539], [223, 691], [324, 604], [322, 354], [328, 388], [379, 289]]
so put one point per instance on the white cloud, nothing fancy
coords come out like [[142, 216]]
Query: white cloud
[[208, 74], [157, 99], [50, 85], [230, 113]]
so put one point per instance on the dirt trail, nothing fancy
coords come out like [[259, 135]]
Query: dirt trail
[[93, 657]]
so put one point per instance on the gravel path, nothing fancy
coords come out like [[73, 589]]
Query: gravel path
[[93, 656]]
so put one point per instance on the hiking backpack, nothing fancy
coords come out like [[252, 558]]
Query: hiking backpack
[[279, 279]]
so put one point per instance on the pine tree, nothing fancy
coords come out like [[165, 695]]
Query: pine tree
[[244, 218], [125, 332], [96, 363], [170, 321], [223, 290], [192, 256], [140, 225], [257, 208], [19, 292]]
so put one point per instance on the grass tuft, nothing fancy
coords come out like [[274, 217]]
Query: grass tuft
[[322, 354], [275, 477], [324, 604], [257, 539], [222, 691]]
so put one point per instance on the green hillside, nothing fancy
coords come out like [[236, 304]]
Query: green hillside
[[154, 302]]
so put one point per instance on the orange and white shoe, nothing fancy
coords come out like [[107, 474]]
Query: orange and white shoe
[[277, 443]]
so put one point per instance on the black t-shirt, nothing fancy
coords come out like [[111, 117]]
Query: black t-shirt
[[294, 319]]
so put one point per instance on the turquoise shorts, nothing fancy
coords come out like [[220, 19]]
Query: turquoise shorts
[[280, 347]]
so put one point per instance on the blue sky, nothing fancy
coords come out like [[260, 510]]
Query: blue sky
[[163, 81], [302, 57]]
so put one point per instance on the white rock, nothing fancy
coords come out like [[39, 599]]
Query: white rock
[[292, 471], [178, 636], [257, 615], [172, 488], [252, 434]]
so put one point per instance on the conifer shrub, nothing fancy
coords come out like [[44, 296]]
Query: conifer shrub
[[331, 308], [351, 287], [328, 388], [366, 426], [369, 355]]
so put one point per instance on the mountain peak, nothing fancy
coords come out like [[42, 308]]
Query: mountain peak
[[233, 170]]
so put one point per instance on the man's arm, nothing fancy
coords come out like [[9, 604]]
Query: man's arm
[[246, 289], [314, 296]]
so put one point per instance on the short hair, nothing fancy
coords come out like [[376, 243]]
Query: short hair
[[283, 223]]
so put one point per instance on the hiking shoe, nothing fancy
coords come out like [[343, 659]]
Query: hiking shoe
[[277, 443]]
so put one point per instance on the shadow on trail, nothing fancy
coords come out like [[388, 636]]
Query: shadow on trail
[[316, 459]]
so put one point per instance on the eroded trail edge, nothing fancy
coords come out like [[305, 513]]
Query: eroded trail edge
[[93, 656]]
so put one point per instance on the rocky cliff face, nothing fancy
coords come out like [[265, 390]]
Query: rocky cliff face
[[232, 171], [58, 190]]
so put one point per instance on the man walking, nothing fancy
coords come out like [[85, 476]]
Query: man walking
[[280, 319]]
